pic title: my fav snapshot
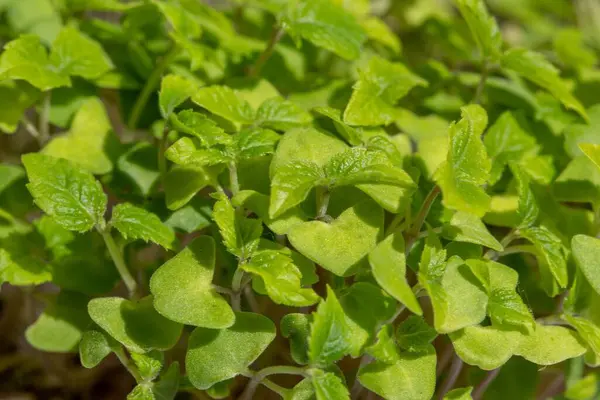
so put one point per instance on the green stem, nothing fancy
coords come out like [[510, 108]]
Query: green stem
[[424, 211], [29, 127], [44, 118], [451, 378], [485, 383], [233, 179], [283, 392], [276, 36], [162, 161], [482, 80], [512, 235], [236, 288], [117, 258], [259, 376], [323, 196], [129, 366], [150, 86]]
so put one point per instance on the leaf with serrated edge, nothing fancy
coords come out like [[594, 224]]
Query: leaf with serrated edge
[[136, 223]]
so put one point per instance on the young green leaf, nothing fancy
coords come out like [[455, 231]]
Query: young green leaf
[[379, 88], [174, 90], [534, 67], [466, 227], [325, 25], [94, 346], [385, 349], [291, 185], [136, 223], [296, 327], [414, 334], [216, 355], [467, 165], [592, 151], [224, 102], [282, 115], [432, 267], [60, 327], [65, 192], [200, 126], [487, 347], [240, 234], [483, 27], [412, 377], [388, 264], [459, 394], [282, 279], [586, 252], [589, 332], [187, 279], [255, 142], [134, 324], [328, 385], [528, 210], [329, 338], [90, 133], [348, 239], [548, 345]]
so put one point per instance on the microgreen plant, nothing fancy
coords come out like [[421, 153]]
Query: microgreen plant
[[308, 199]]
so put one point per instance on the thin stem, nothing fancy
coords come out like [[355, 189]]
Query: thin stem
[[222, 290], [276, 36], [162, 161], [233, 179], [485, 383], [263, 373], [150, 86], [236, 288], [251, 300], [494, 255], [323, 196], [451, 378], [396, 222], [117, 257], [129, 366], [29, 127], [275, 387], [424, 211], [481, 86], [44, 118], [516, 249]]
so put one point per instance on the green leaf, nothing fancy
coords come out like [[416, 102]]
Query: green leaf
[[200, 126], [94, 346], [487, 347], [174, 90], [380, 86], [592, 151], [291, 185], [182, 21], [164, 389], [483, 27], [551, 255], [325, 25], [414, 334], [385, 349], [358, 166], [281, 277], [586, 252], [240, 234], [183, 182], [467, 165], [216, 355], [348, 239], [27, 59], [296, 327], [366, 308], [139, 165], [329, 338], [570, 48], [90, 134], [506, 141], [412, 377], [134, 324], [65, 192], [187, 279], [15, 98], [388, 264], [432, 267], [60, 327], [352, 135], [255, 142], [584, 389], [589, 332], [282, 115], [149, 364], [184, 152], [259, 204], [136, 223], [549, 345], [466, 227], [224, 102], [328, 385], [459, 394], [534, 67], [21, 261], [76, 54], [528, 210]]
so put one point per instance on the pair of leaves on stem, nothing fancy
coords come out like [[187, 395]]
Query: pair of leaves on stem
[[73, 54], [76, 201]]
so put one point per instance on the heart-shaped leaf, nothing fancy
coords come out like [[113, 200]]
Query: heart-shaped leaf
[[349, 238], [174, 90], [135, 324], [95, 345], [187, 279], [486, 347], [216, 355], [548, 345]]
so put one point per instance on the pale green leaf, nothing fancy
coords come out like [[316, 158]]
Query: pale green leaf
[[551, 255], [199, 125], [134, 324], [528, 210], [174, 90], [414, 334], [15, 98], [589, 332], [486, 347], [385, 348], [548, 345], [388, 264], [325, 25], [280, 114], [328, 386], [65, 192], [255, 142], [380, 86], [570, 48], [136, 223], [329, 338], [182, 288], [94, 347], [586, 252], [592, 151], [224, 102], [483, 27], [466, 227], [467, 165], [240, 234], [296, 327], [216, 355], [459, 394], [149, 364], [348, 239]]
